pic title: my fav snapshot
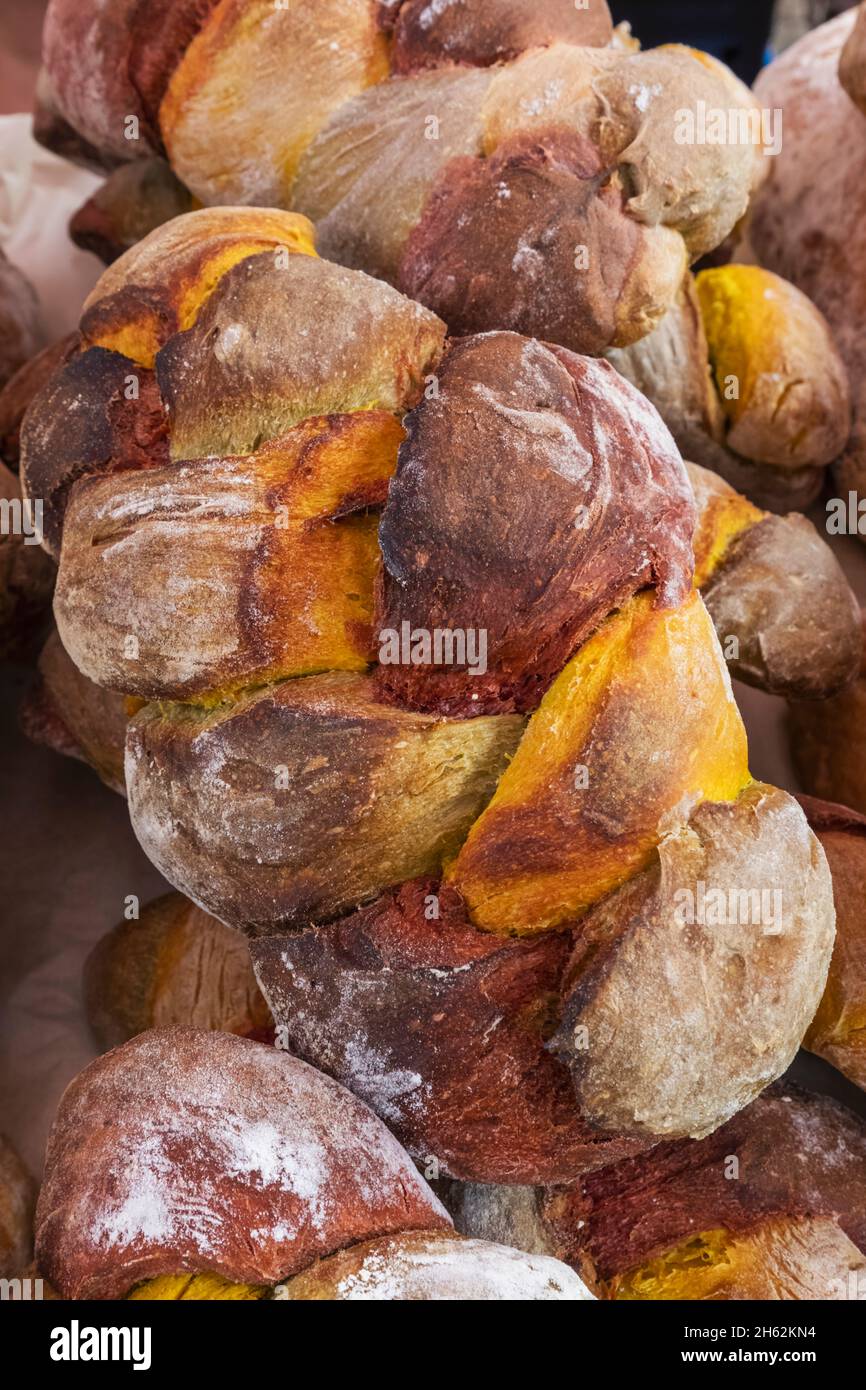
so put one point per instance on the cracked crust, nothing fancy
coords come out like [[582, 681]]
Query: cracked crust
[[756, 949], [446, 1031], [794, 1214]]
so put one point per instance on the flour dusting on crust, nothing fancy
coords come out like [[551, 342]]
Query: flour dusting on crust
[[191, 1150]]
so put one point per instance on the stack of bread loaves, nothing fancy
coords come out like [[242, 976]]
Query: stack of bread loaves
[[511, 166], [393, 608]]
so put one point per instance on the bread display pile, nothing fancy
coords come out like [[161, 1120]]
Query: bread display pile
[[495, 161], [410, 496]]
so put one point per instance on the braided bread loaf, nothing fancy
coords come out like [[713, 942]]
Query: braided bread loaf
[[198, 1165], [779, 601], [493, 843], [176, 965], [771, 1206], [511, 166]]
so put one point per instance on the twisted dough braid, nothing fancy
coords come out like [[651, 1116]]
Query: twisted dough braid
[[479, 864], [511, 166], [191, 1165]]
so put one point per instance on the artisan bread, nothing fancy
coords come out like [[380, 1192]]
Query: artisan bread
[[494, 160], [322, 489], [199, 1165], [770, 1207], [838, 1030], [808, 221], [172, 964], [784, 612], [744, 372], [566, 1010]]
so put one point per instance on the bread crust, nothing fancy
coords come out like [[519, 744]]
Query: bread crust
[[781, 592], [640, 726], [280, 801], [161, 285], [333, 796], [282, 542], [173, 965], [79, 423], [86, 51], [680, 1069], [134, 200], [513, 434], [570, 161], [800, 1158], [366, 178], [372, 347], [441, 1029], [765, 402], [332, 49], [405, 130], [838, 1031], [786, 1259], [529, 207], [482, 32], [472, 1047], [197, 1151], [70, 714], [430, 1268], [792, 407]]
